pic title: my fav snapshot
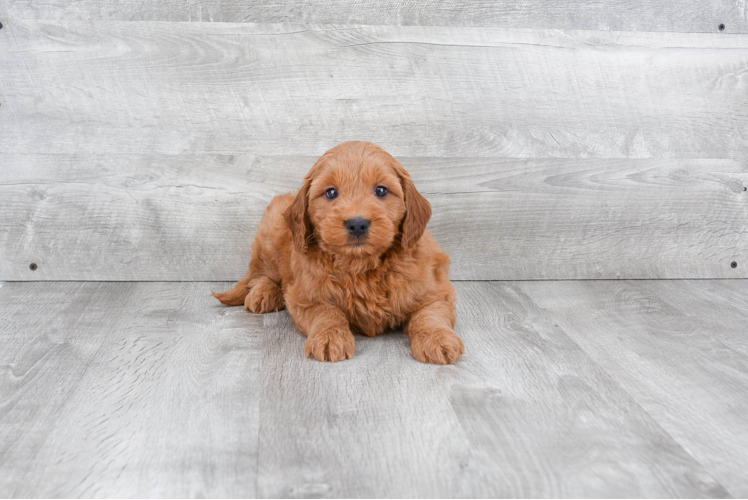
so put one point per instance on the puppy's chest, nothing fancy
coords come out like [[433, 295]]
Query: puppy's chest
[[373, 304]]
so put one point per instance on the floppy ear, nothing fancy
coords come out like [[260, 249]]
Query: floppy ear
[[297, 218], [417, 211]]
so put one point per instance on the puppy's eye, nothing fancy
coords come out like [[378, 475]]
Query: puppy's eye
[[381, 191], [331, 193]]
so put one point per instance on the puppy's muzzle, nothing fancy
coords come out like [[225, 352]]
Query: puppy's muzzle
[[357, 227]]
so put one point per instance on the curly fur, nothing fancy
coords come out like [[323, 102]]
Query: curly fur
[[304, 258]]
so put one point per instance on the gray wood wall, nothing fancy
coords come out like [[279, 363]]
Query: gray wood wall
[[140, 140]]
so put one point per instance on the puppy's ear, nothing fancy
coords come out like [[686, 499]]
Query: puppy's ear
[[297, 218], [417, 211]]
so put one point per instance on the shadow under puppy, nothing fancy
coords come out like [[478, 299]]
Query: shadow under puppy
[[350, 252]]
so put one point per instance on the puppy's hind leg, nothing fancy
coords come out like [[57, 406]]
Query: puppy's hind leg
[[264, 296], [259, 295], [235, 296], [259, 291]]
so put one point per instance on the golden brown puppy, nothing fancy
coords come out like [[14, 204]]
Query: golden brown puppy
[[349, 252]]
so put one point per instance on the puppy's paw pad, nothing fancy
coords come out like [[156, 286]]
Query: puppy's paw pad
[[330, 345], [441, 347]]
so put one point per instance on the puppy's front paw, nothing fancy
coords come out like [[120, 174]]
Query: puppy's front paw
[[330, 345], [442, 346]]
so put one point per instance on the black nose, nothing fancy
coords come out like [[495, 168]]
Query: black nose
[[357, 226]]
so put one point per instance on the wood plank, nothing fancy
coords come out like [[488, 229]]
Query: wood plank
[[50, 335], [626, 15], [378, 425], [193, 217], [150, 389], [270, 89], [126, 390], [708, 303], [524, 414], [670, 356]]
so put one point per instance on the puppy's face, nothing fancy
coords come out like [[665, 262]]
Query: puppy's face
[[355, 206], [357, 201]]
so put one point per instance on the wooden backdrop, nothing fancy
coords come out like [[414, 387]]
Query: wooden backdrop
[[141, 139]]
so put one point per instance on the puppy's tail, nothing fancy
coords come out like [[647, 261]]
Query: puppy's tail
[[235, 296]]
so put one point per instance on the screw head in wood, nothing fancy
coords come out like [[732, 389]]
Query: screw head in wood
[[1, 26], [733, 264], [33, 266], [745, 189], [721, 27]]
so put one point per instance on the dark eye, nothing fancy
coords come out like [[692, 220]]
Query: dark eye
[[381, 191], [331, 193]]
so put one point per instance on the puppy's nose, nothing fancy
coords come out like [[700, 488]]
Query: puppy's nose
[[358, 226]]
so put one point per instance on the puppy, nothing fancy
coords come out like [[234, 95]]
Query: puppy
[[349, 252]]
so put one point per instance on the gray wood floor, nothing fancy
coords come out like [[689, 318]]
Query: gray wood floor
[[577, 388]]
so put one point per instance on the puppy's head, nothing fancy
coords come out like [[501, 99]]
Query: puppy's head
[[357, 201]]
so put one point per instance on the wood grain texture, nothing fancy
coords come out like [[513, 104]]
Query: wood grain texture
[[193, 217], [151, 389], [710, 303], [378, 425], [270, 89], [126, 390], [677, 349], [525, 414], [625, 15]]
